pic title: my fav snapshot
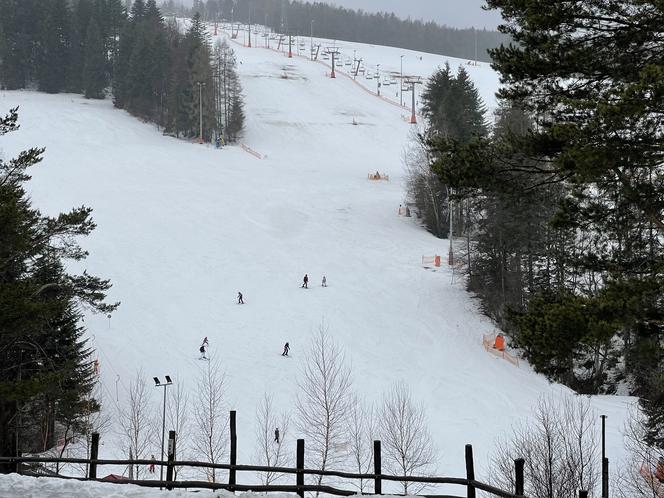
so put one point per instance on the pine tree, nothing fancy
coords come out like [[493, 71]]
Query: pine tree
[[44, 362], [53, 55], [94, 67]]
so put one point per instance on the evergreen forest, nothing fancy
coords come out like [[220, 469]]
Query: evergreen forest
[[556, 203], [155, 70]]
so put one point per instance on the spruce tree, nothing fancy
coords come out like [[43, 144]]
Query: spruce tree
[[94, 67], [44, 363]]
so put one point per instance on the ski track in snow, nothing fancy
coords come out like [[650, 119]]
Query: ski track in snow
[[182, 227]]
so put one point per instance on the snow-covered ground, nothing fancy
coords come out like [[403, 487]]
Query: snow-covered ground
[[183, 227]]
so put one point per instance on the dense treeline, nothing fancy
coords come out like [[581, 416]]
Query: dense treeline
[[560, 206], [46, 368], [294, 17], [152, 69]]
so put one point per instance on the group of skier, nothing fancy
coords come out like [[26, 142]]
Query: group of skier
[[305, 281], [240, 300]]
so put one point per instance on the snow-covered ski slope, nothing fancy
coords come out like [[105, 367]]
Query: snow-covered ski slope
[[182, 227]]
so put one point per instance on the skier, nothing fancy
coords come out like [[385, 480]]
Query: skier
[[276, 434], [239, 298], [286, 349], [202, 350], [305, 281], [151, 467], [205, 341], [324, 281]]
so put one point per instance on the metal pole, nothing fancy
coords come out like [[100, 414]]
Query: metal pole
[[401, 83], [200, 106], [163, 431], [378, 79], [311, 40], [449, 208], [604, 466]]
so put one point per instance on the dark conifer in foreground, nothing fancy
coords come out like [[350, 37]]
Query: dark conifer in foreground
[[45, 367]]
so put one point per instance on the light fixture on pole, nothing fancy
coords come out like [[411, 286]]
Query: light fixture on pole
[[401, 83], [200, 108], [157, 383]]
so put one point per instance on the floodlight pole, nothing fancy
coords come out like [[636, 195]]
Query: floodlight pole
[[200, 111], [401, 84], [311, 41], [163, 423]]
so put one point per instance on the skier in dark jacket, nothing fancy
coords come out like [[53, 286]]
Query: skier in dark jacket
[[305, 281], [276, 434], [286, 349], [239, 298]]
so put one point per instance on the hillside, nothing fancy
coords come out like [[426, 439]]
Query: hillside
[[183, 227]]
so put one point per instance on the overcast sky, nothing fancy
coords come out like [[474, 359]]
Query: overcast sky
[[457, 13]]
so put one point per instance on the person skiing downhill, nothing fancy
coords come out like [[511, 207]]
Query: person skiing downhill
[[205, 341], [202, 350], [240, 300], [286, 349], [305, 281], [324, 284], [276, 435]]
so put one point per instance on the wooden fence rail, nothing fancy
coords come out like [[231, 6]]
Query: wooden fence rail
[[300, 471]]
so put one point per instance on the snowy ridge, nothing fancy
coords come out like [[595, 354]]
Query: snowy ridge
[[183, 227]]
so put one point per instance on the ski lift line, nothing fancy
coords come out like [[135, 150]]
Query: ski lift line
[[382, 97]]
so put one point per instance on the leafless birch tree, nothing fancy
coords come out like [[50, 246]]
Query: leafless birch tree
[[137, 422], [636, 477], [179, 420], [362, 431], [559, 447], [210, 441], [406, 441], [323, 401], [269, 451]]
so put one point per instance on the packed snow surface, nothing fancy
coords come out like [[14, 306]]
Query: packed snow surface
[[183, 227]]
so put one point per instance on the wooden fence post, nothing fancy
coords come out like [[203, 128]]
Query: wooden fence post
[[470, 470], [518, 466], [231, 473], [94, 453], [378, 488], [171, 458], [300, 466]]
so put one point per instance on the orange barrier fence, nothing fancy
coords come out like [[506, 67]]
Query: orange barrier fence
[[431, 260], [495, 344], [653, 483], [378, 176]]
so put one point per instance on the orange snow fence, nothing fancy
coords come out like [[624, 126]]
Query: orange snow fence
[[652, 481], [491, 343], [431, 260]]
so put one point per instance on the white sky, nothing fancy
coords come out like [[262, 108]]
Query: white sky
[[457, 13]]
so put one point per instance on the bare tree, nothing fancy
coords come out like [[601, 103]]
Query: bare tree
[[636, 477], [323, 402], [270, 450], [178, 419], [362, 430], [210, 418], [137, 422], [559, 447], [405, 437]]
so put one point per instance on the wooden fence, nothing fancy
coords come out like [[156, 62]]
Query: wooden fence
[[299, 487]]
